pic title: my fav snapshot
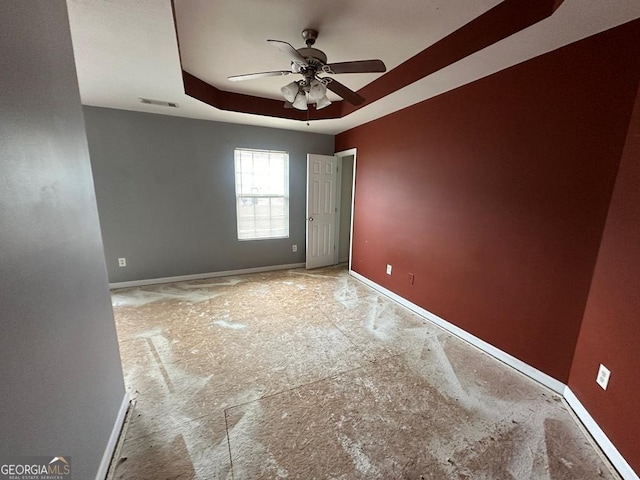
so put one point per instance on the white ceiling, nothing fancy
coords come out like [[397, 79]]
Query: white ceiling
[[127, 49]]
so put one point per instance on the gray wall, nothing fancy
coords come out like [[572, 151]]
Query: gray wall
[[166, 193], [61, 381]]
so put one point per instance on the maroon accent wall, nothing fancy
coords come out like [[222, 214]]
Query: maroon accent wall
[[495, 195], [611, 327]]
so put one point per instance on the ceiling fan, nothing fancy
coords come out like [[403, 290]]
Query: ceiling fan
[[310, 63]]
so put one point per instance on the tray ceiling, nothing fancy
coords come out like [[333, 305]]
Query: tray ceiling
[[127, 49]]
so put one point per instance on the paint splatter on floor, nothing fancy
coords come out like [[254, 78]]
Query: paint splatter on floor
[[310, 374]]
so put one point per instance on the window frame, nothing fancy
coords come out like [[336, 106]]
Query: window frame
[[255, 197]]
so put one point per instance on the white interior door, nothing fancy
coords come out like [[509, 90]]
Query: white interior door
[[321, 209]]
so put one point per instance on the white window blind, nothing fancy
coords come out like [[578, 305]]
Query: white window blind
[[262, 193]]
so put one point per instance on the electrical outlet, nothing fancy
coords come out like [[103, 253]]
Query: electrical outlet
[[294, 248], [122, 262], [603, 376], [412, 278], [389, 267]]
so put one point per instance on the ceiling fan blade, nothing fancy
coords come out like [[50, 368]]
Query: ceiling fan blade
[[345, 92], [289, 51], [359, 66], [253, 76]]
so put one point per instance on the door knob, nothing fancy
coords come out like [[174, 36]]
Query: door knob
[[311, 219]]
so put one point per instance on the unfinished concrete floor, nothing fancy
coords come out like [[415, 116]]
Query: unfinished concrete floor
[[312, 375]]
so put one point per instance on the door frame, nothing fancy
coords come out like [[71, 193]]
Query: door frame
[[340, 155]]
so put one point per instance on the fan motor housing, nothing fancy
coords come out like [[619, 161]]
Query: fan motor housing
[[313, 55]]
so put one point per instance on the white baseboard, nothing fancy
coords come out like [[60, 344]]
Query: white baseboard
[[200, 276], [103, 468], [510, 360], [608, 448], [117, 452]]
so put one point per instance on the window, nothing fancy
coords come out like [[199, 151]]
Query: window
[[262, 193]]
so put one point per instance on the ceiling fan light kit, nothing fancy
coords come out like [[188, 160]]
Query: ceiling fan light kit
[[299, 94], [323, 102], [317, 90], [290, 91], [310, 62], [300, 102]]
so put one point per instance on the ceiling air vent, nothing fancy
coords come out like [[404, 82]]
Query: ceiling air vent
[[160, 103]]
